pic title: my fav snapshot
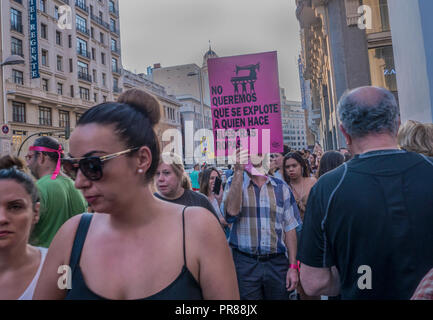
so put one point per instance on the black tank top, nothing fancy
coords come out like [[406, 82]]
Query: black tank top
[[185, 287]]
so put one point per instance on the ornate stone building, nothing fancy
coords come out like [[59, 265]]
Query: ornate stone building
[[78, 65], [337, 55]]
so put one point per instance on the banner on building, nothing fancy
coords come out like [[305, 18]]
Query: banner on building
[[33, 36], [245, 102]]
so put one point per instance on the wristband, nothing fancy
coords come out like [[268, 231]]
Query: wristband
[[294, 266]]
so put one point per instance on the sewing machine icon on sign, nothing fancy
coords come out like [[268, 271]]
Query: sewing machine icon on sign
[[245, 80]]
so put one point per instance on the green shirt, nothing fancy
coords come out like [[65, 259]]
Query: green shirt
[[194, 179], [59, 202]]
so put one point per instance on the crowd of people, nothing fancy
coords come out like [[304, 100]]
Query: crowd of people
[[299, 224]]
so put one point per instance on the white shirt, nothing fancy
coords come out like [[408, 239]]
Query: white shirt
[[28, 293]]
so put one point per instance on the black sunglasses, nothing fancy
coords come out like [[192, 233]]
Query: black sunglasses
[[91, 167]]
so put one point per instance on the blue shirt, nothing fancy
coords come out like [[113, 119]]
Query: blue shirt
[[266, 213]]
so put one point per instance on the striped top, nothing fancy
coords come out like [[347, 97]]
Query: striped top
[[266, 213]]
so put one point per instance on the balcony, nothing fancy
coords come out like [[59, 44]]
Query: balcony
[[84, 76], [116, 70], [99, 21], [65, 1], [82, 5], [83, 30], [17, 27], [116, 51], [83, 53], [114, 11], [117, 90]]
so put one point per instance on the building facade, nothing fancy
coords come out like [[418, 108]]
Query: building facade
[[337, 55], [293, 123], [78, 60], [190, 85], [170, 106]]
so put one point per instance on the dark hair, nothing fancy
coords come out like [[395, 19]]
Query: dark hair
[[134, 116], [286, 150], [229, 166], [329, 161], [51, 143], [360, 117], [298, 158], [11, 169], [204, 182]]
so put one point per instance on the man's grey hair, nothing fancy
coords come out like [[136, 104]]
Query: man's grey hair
[[360, 117]]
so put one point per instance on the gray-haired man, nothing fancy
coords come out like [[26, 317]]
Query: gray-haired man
[[367, 231]]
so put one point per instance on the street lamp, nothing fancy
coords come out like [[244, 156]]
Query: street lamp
[[192, 74], [9, 61]]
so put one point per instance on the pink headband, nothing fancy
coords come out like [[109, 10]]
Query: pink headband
[[59, 152]]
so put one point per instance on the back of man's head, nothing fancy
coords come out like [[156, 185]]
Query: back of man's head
[[51, 143], [369, 110]]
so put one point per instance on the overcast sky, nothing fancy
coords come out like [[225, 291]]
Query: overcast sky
[[176, 32]]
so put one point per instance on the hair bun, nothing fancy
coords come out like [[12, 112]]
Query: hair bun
[[8, 162], [144, 101]]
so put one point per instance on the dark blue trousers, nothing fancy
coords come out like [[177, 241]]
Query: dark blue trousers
[[261, 280]]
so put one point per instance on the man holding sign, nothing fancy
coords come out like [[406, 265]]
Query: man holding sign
[[264, 216]]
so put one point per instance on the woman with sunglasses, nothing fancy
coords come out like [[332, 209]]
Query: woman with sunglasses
[[20, 263], [136, 246]]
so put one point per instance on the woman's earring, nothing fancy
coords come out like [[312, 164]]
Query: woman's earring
[[140, 170]]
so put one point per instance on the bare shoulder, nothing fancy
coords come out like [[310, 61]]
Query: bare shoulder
[[62, 242], [202, 222]]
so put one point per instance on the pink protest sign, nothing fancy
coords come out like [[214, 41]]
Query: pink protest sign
[[245, 101]]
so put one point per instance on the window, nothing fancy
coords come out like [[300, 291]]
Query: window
[[382, 68], [56, 12], [101, 37], [18, 77], [64, 119], [43, 5], [45, 58], [102, 58], [71, 69], [82, 47], [111, 6], [83, 71], [45, 116], [115, 83], [104, 98], [94, 76], [81, 24], [93, 54], [16, 20], [45, 84], [70, 41], [19, 112], [84, 93], [114, 65], [60, 88], [77, 117], [44, 33], [95, 97], [17, 47], [113, 25], [58, 38], [72, 91], [113, 45], [92, 32], [59, 63], [104, 79]]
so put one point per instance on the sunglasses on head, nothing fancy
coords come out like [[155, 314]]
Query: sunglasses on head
[[91, 167]]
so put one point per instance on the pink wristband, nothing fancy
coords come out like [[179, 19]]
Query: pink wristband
[[294, 266]]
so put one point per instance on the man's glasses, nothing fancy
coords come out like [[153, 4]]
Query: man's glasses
[[91, 167]]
